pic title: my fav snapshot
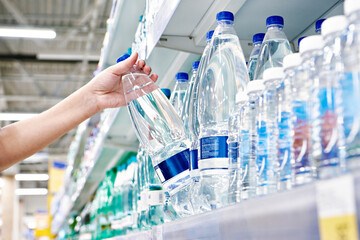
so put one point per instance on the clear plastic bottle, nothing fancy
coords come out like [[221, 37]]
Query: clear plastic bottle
[[267, 131], [284, 169], [350, 86], [318, 25], [235, 177], [185, 111], [225, 76], [326, 141], [299, 40], [257, 41], [249, 139], [162, 134], [178, 94], [199, 203], [274, 47]]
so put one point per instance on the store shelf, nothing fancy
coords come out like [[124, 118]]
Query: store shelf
[[287, 215]]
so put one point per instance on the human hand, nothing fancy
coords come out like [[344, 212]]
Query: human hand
[[107, 87]]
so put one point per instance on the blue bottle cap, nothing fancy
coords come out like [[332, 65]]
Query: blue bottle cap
[[209, 34], [318, 24], [300, 39], [225, 15], [141, 18], [259, 37], [167, 92], [195, 66], [181, 77], [274, 20], [123, 57], [129, 51]]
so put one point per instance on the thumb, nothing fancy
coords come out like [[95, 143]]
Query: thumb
[[123, 66]]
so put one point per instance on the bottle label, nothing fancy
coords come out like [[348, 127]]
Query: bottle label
[[155, 197], [194, 159], [233, 152], [173, 166], [214, 153]]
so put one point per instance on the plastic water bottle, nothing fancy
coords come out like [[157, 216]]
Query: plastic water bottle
[[274, 47], [198, 201], [185, 111], [142, 220], [235, 173], [350, 87], [284, 169], [266, 160], [161, 133], [299, 40], [178, 94], [318, 25], [249, 139], [257, 41], [327, 142], [225, 76]]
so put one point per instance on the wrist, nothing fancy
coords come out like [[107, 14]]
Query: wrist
[[89, 101]]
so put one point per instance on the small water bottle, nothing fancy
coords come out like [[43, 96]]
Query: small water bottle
[[257, 41], [318, 25], [274, 47], [235, 170], [178, 94], [162, 134], [350, 87], [249, 139], [327, 142], [284, 169], [224, 77], [266, 159], [299, 40]]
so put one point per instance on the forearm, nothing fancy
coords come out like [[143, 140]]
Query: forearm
[[24, 138]]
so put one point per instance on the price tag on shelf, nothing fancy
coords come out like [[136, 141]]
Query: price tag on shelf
[[336, 209]]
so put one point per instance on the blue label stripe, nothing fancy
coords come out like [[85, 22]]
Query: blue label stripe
[[194, 159], [213, 147], [173, 166]]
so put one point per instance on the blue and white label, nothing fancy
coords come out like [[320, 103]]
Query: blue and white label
[[214, 153], [194, 159], [173, 166]]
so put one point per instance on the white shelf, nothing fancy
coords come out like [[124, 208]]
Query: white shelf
[[287, 215]]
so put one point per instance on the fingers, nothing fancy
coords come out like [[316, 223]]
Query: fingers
[[154, 77], [124, 66]]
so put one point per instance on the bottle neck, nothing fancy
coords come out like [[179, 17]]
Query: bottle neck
[[225, 23], [257, 44], [275, 27]]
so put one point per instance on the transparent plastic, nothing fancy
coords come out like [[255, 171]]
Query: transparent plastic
[[326, 141], [248, 143], [254, 55], [184, 115], [178, 96], [161, 133], [225, 75], [350, 93], [274, 48], [267, 132]]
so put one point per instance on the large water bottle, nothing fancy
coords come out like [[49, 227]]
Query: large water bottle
[[326, 141], [249, 139], [257, 41], [198, 201], [318, 25], [161, 133], [178, 94], [235, 173], [350, 86], [266, 160], [142, 176], [274, 47], [225, 76], [185, 110]]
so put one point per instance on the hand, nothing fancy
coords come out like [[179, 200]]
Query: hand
[[107, 86]]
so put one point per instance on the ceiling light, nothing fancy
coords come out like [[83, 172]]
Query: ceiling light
[[16, 116], [31, 191], [27, 33], [31, 177]]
